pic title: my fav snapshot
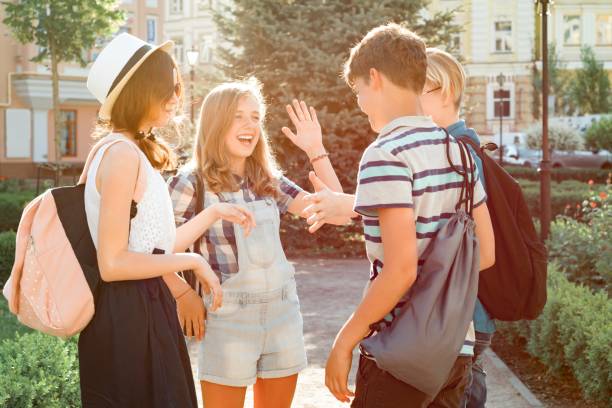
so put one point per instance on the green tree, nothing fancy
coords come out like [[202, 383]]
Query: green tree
[[558, 78], [599, 135], [297, 49], [63, 30], [590, 87], [560, 137]]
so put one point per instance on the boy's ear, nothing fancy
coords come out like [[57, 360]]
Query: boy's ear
[[375, 78]]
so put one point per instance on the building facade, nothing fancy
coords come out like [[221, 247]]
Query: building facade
[[502, 38], [26, 116]]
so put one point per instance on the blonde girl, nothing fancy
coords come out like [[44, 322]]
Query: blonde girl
[[256, 337]]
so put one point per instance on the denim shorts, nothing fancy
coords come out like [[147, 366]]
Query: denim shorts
[[253, 335]]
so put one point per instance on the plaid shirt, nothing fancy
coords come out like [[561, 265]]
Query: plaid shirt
[[218, 244]]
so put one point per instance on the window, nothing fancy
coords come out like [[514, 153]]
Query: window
[[501, 103], [176, 6], [206, 51], [68, 130], [503, 36], [151, 29], [571, 30], [604, 30], [152, 3], [17, 130], [178, 50]]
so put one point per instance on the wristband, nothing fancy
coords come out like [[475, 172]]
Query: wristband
[[319, 157]]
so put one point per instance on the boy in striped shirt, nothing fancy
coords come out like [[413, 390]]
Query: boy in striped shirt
[[406, 191]]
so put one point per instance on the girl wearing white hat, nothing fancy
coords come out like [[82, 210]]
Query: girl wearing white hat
[[133, 352]]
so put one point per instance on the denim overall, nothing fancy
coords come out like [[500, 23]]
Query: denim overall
[[258, 332]]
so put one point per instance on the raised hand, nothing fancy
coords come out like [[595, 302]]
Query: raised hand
[[307, 136]]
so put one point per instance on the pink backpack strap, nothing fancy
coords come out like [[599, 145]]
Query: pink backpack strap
[[141, 178]]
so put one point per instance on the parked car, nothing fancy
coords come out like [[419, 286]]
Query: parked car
[[522, 156]]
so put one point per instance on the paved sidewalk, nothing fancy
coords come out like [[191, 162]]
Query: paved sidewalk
[[329, 290]]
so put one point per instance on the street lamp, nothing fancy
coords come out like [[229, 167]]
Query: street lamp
[[192, 59], [500, 80], [545, 211]]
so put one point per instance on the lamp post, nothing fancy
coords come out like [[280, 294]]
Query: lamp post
[[192, 59], [500, 80], [545, 212]]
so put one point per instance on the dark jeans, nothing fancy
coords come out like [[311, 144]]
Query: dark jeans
[[378, 389], [476, 391]]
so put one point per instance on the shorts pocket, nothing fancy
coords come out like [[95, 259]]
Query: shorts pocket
[[227, 311]]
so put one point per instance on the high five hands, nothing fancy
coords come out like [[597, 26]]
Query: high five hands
[[327, 207]]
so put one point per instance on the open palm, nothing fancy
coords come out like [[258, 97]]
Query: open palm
[[307, 134]]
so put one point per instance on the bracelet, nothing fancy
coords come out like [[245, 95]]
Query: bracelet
[[319, 157], [182, 294]]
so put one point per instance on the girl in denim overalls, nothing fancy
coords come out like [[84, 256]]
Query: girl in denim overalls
[[256, 337]]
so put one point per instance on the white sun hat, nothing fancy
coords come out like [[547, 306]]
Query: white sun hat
[[115, 66]]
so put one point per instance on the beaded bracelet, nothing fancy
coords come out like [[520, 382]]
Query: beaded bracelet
[[319, 157]]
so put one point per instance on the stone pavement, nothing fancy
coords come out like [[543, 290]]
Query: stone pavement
[[329, 290]]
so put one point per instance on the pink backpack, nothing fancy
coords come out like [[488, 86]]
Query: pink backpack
[[55, 272]]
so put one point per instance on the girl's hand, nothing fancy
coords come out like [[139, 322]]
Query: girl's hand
[[210, 283], [191, 314], [336, 373], [235, 214], [308, 135]]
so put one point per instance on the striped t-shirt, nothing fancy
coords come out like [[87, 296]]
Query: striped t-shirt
[[407, 167]]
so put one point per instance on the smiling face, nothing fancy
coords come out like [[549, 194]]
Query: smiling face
[[245, 129]]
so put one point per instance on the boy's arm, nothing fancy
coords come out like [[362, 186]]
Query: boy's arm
[[326, 206], [398, 232]]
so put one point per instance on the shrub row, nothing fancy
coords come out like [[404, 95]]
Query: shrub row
[[575, 332], [563, 194], [597, 175], [39, 371], [7, 255], [11, 207]]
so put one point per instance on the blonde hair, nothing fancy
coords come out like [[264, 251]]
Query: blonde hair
[[210, 157], [444, 71]]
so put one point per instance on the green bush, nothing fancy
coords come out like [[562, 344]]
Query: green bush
[[7, 255], [11, 207], [582, 245], [567, 193], [39, 371], [9, 325], [597, 175], [599, 135], [574, 331]]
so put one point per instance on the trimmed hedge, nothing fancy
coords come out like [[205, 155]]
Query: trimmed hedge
[[597, 175], [7, 255], [575, 332], [39, 371], [563, 194], [11, 207]]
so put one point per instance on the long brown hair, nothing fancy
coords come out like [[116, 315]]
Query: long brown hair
[[151, 84], [210, 157]]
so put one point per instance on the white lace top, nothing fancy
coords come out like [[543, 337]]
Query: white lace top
[[153, 227]]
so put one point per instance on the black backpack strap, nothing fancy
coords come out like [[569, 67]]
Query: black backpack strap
[[466, 171]]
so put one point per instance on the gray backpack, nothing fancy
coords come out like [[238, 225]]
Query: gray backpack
[[422, 343]]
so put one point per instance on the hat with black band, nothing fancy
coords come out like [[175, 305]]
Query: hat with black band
[[115, 65]]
